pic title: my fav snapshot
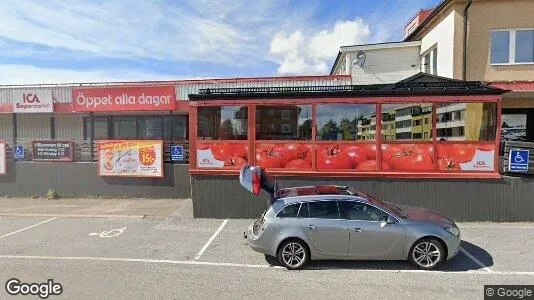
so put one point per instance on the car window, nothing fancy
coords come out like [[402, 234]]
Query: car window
[[324, 210], [304, 211], [289, 211], [353, 210]]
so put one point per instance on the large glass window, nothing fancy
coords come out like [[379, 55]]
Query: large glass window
[[124, 128], [324, 210], [346, 122], [500, 47], [466, 121], [524, 46], [292, 122], [223, 123], [406, 121]]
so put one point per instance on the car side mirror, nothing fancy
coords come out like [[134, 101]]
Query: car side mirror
[[387, 220]]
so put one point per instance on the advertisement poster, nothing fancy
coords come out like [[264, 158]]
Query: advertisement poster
[[221, 155], [466, 157], [124, 99], [33, 101], [133, 158], [52, 150], [2, 157]]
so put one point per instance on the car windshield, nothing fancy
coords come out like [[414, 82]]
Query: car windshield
[[395, 209]]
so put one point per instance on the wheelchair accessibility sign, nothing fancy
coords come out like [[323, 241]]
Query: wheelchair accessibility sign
[[518, 160], [177, 153]]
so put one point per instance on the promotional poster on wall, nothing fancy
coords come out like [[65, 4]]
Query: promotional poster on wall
[[135, 158], [514, 127], [2, 158]]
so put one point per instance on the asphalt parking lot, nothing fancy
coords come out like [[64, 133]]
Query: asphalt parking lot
[[174, 255]]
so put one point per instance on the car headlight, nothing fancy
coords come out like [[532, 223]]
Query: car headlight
[[453, 230]]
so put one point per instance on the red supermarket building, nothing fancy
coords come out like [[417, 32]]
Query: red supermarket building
[[181, 139]]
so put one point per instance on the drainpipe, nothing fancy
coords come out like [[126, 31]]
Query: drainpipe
[[466, 15]]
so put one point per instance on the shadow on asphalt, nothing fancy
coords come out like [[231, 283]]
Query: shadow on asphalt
[[459, 263]]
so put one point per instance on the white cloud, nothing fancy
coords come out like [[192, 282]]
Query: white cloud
[[313, 54], [22, 74], [140, 29]]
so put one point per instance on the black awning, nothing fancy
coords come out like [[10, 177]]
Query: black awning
[[419, 84]]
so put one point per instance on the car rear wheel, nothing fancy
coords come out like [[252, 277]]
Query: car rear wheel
[[293, 254], [427, 254]]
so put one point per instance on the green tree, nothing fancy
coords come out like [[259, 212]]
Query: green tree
[[330, 130]]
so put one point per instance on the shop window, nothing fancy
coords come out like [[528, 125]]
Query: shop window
[[408, 120], [124, 128], [222, 123], [150, 127], [288, 122], [179, 127], [344, 121], [101, 127], [466, 121]]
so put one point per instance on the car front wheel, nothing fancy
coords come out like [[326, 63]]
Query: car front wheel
[[427, 254], [293, 254]]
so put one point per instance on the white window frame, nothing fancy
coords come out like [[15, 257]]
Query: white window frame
[[430, 64], [511, 49]]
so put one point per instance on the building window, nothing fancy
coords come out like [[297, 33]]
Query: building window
[[344, 121], [222, 123], [466, 121], [416, 136], [286, 128], [426, 121], [524, 46], [429, 61], [286, 114], [124, 128], [512, 46], [297, 120]]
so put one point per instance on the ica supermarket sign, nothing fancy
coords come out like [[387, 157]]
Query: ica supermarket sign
[[124, 99], [33, 101]]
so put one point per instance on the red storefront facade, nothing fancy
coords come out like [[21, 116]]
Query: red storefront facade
[[441, 129]]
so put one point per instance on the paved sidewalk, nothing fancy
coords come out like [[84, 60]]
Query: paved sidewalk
[[78, 207]]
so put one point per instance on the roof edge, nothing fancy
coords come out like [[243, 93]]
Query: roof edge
[[431, 16]]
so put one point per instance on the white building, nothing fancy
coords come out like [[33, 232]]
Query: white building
[[378, 63]]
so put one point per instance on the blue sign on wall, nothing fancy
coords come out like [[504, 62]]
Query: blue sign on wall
[[518, 160], [177, 153], [18, 152]]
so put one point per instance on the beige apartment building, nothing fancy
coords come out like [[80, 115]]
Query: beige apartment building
[[483, 40]]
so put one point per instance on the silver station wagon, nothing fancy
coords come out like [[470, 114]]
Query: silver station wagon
[[340, 223]]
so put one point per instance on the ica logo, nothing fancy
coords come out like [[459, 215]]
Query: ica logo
[[30, 98], [481, 163]]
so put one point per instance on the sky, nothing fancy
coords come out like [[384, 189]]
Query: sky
[[60, 41]]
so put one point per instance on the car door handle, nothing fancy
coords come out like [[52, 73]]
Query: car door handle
[[311, 226], [357, 229]]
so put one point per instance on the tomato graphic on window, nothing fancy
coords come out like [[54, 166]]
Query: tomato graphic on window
[[408, 157]]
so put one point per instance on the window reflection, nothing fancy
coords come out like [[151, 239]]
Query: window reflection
[[338, 122], [410, 121]]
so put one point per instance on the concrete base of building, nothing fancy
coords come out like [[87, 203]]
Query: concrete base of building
[[28, 179], [507, 199]]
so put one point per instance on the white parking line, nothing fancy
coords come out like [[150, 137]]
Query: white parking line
[[199, 254], [218, 264], [478, 262], [14, 232]]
